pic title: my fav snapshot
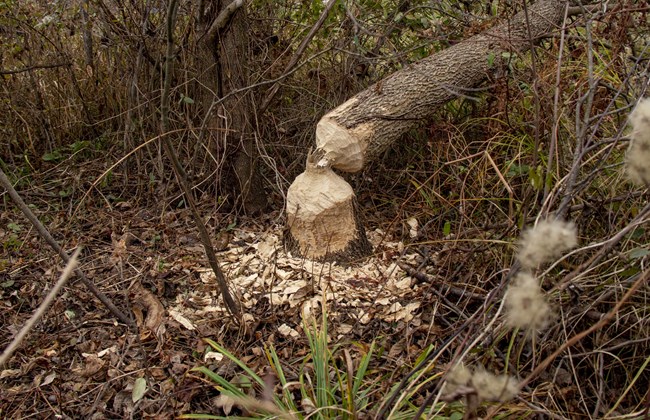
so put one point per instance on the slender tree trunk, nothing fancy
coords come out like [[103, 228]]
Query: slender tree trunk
[[240, 107], [87, 37], [227, 72]]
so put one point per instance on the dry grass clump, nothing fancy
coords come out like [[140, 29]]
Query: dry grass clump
[[526, 308]]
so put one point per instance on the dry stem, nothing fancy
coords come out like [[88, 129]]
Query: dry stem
[[578, 337]]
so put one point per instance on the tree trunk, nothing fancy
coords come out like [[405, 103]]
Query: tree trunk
[[87, 38], [360, 129], [239, 109], [226, 39]]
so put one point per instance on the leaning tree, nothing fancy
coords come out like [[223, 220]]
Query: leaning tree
[[322, 220]]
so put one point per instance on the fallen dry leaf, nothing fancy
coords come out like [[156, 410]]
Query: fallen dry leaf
[[287, 331], [92, 365], [181, 319], [143, 299], [10, 373], [225, 402], [119, 249]]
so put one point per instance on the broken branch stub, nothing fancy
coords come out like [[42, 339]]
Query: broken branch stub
[[322, 218]]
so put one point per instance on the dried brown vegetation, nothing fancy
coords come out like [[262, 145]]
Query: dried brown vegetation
[[444, 208]]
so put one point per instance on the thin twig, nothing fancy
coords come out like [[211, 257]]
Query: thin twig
[[608, 245], [425, 278], [556, 109], [34, 67], [572, 187], [218, 101], [396, 391], [296, 56], [578, 337], [40, 311], [583, 109]]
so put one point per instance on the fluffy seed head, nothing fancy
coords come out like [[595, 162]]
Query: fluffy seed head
[[488, 387], [525, 304], [458, 376], [491, 387], [638, 154], [640, 121], [546, 241]]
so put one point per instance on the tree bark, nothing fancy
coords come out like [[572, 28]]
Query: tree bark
[[87, 37], [359, 130], [319, 222], [240, 109], [226, 42]]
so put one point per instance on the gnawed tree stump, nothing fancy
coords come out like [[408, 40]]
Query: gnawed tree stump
[[362, 128], [322, 222]]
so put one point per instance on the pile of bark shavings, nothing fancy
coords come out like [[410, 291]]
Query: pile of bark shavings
[[81, 363]]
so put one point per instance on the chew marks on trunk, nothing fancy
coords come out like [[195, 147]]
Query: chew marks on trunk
[[321, 216], [322, 219]]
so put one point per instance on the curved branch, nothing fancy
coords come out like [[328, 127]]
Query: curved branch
[[222, 20], [181, 177]]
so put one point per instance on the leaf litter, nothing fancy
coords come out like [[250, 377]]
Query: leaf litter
[[153, 269]]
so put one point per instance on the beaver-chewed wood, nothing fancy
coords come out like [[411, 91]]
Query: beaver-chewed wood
[[322, 217]]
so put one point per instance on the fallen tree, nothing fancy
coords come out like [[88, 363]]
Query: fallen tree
[[363, 127]]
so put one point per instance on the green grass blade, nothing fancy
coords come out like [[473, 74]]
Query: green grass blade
[[274, 361], [234, 359], [222, 383], [363, 368]]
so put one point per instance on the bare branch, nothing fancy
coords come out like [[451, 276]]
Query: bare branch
[[296, 56], [34, 67], [222, 20], [643, 277], [45, 234]]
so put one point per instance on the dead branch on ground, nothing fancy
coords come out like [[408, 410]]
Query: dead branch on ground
[[40, 311], [45, 234]]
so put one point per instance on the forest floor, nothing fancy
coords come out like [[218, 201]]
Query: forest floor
[[80, 363], [416, 292]]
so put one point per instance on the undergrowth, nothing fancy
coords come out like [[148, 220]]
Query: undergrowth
[[328, 383], [546, 138]]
